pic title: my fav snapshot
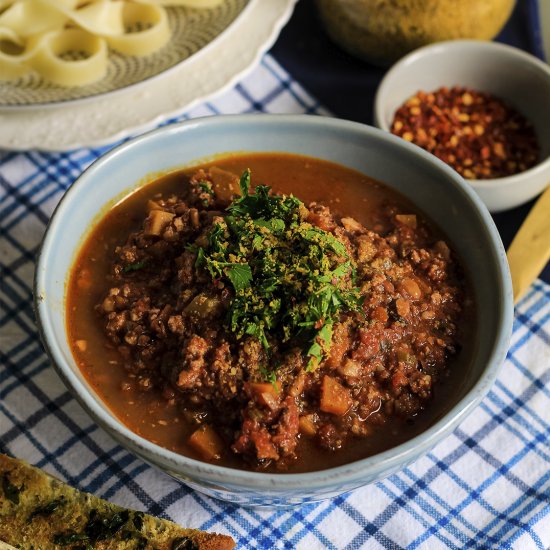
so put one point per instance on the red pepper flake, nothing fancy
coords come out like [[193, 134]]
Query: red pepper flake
[[477, 134]]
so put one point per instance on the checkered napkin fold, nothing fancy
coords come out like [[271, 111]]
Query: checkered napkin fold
[[486, 486]]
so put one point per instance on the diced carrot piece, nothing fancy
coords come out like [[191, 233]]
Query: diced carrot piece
[[207, 443], [265, 387], [335, 399], [307, 426], [266, 393]]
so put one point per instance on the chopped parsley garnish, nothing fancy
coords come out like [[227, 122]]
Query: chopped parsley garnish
[[269, 376], [205, 192], [134, 267], [47, 509], [64, 539], [11, 492], [206, 187], [137, 519], [291, 279], [98, 527]]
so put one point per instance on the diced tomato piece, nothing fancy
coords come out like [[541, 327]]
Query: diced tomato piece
[[339, 346], [399, 379], [265, 449]]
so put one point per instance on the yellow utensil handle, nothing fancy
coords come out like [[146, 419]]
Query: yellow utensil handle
[[530, 249]]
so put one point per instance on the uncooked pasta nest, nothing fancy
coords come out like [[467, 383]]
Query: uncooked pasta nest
[[67, 41]]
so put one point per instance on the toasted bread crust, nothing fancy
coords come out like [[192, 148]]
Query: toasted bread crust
[[39, 512]]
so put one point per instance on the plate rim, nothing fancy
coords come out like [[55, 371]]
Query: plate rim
[[129, 87], [49, 139]]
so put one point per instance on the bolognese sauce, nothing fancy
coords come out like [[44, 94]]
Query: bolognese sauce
[[264, 309]]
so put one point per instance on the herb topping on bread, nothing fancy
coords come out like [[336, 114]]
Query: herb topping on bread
[[39, 512]]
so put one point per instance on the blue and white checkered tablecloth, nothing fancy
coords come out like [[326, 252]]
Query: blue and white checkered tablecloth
[[486, 486]]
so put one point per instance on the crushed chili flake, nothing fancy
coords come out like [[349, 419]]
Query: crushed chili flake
[[476, 133]]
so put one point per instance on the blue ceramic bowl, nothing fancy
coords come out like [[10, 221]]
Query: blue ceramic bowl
[[430, 184]]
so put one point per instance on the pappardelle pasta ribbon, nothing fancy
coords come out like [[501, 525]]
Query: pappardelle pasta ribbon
[[67, 41]]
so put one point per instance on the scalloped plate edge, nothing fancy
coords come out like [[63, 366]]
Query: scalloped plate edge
[[46, 130]]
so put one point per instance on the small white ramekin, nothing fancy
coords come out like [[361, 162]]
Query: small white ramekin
[[503, 71]]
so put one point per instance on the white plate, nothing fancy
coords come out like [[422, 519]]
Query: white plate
[[108, 119], [192, 30]]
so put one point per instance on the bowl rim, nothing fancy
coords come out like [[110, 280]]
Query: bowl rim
[[439, 48], [390, 460]]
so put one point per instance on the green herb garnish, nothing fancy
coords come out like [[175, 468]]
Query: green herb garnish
[[290, 278], [64, 539], [134, 267], [101, 527], [206, 187], [47, 509], [11, 492], [98, 527], [269, 376], [137, 520], [206, 192], [141, 542]]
